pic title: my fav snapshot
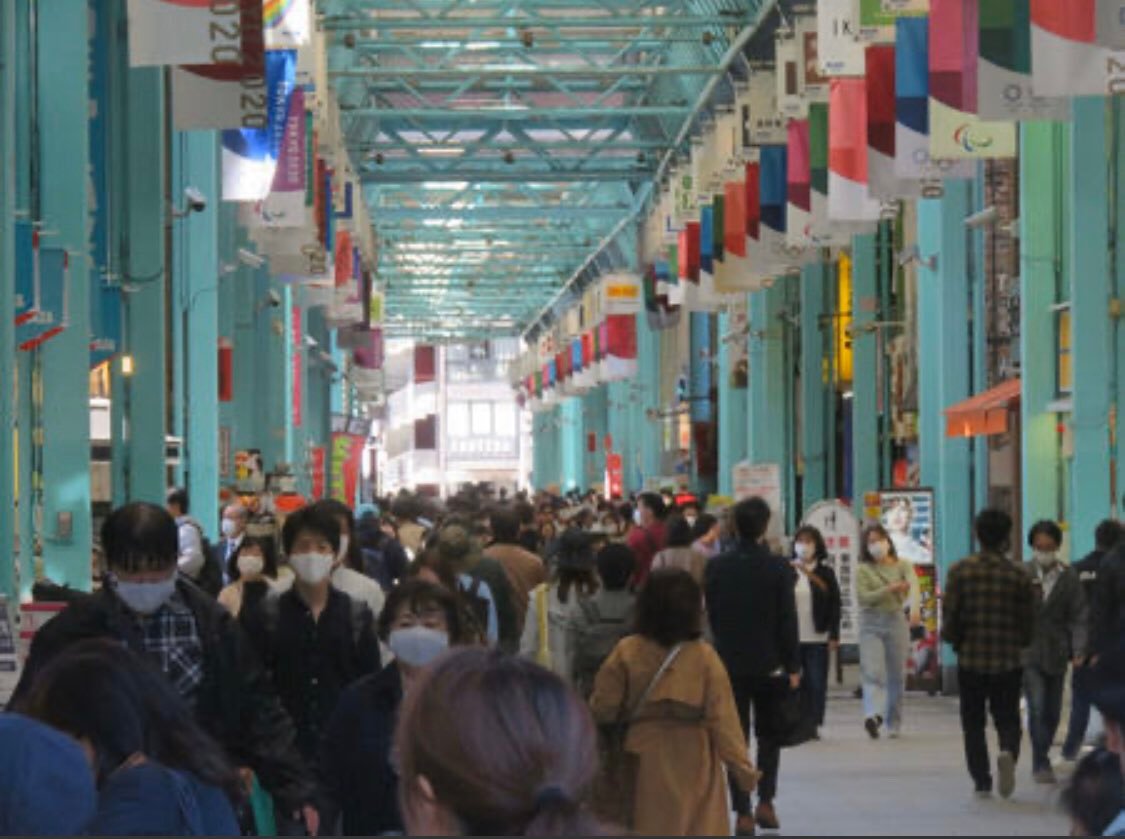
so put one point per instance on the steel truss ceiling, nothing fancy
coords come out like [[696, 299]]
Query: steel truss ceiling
[[502, 143]]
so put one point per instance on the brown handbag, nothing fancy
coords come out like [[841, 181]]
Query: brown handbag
[[615, 787]]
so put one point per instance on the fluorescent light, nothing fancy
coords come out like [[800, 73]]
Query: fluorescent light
[[482, 45], [441, 151], [455, 186]]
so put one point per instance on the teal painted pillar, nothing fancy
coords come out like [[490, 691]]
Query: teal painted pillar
[[865, 371], [1041, 164], [595, 413], [815, 426], [64, 159], [769, 414], [650, 443], [944, 364], [1091, 337], [703, 369], [733, 418], [8, 378], [618, 423], [573, 439], [290, 399], [272, 367], [979, 363], [143, 470], [197, 314], [1119, 293]]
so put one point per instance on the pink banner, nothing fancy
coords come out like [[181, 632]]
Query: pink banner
[[799, 175], [298, 356], [954, 49]]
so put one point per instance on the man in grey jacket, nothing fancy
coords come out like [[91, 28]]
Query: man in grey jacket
[[1060, 638]]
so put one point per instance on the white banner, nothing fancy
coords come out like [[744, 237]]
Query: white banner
[[204, 100], [839, 51], [286, 23], [840, 529], [178, 32], [621, 294]]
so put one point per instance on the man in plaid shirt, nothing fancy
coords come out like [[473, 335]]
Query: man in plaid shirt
[[988, 617]]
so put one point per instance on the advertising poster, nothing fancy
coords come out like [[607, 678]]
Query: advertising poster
[[923, 665], [249, 471], [347, 451], [908, 515], [840, 529], [764, 481]]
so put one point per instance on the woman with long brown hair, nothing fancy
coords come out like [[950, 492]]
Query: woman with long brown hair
[[885, 585], [491, 745]]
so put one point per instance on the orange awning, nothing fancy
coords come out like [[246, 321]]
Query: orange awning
[[985, 413]]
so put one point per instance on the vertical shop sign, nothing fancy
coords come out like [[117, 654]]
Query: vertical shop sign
[[840, 529], [298, 366], [347, 451], [317, 456]]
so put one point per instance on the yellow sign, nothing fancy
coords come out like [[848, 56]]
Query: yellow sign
[[625, 291], [843, 320]]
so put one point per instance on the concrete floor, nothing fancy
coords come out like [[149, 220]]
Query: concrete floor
[[849, 785]]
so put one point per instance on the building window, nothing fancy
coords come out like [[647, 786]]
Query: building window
[[505, 420], [481, 419], [457, 417]]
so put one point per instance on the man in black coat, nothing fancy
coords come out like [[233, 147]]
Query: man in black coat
[[195, 642], [1107, 608], [753, 614]]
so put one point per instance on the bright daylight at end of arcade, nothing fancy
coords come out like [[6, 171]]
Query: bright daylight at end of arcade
[[562, 417]]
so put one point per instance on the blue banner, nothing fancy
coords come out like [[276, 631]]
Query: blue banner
[[250, 154], [707, 239], [773, 186]]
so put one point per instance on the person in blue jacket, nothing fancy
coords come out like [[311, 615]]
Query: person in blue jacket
[[157, 772]]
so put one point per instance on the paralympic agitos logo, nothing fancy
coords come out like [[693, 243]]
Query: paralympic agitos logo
[[972, 139]]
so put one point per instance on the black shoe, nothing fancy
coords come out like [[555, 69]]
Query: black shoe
[[872, 726]]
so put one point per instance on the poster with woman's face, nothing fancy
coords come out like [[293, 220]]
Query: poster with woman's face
[[908, 516]]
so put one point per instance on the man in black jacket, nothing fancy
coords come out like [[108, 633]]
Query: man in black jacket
[[1107, 610], [196, 644], [753, 614]]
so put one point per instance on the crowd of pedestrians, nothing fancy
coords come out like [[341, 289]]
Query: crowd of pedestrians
[[524, 666]]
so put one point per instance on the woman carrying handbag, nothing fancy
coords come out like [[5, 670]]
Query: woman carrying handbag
[[669, 722]]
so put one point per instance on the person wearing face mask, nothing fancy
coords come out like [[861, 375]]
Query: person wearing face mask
[[1060, 638], [347, 573], [197, 645], [648, 537], [818, 614], [886, 586], [253, 574], [421, 621], [316, 640], [233, 527]]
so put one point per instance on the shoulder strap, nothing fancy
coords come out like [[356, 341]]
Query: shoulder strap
[[668, 659], [543, 653]]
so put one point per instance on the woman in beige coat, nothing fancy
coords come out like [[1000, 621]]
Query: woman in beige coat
[[686, 730]]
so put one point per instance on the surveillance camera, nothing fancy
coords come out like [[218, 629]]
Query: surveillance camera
[[274, 298], [195, 201], [983, 218], [250, 259]]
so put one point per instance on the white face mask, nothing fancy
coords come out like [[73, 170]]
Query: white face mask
[[878, 550], [343, 554], [417, 645], [229, 528], [1045, 559], [803, 551], [690, 520], [145, 598], [637, 520], [250, 565], [312, 568]]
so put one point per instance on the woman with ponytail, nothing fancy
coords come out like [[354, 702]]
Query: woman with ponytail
[[490, 745]]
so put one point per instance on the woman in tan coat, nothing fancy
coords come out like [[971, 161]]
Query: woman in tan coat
[[686, 729]]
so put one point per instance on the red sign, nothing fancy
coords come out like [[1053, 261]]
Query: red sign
[[298, 346], [614, 476], [317, 458]]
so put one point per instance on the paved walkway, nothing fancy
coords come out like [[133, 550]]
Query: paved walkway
[[850, 785]]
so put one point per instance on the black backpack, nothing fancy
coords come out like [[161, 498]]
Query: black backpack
[[595, 638]]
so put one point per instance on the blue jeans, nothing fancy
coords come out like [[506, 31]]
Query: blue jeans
[[1044, 693], [814, 677], [1079, 715], [884, 642]]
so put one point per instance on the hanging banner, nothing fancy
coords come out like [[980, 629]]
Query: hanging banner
[[347, 452], [884, 184], [762, 123], [848, 196], [877, 18], [1004, 90], [208, 96], [822, 230], [798, 186], [163, 32], [249, 156], [840, 529], [839, 50], [1110, 23], [317, 464], [774, 200], [1066, 56], [287, 23], [621, 294], [284, 207], [790, 102], [955, 130]]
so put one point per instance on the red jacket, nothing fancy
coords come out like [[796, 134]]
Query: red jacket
[[646, 543]]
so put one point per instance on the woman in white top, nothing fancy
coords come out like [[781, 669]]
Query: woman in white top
[[818, 614], [548, 639]]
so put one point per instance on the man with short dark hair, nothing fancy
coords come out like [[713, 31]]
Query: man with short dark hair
[[988, 617], [193, 640], [753, 613], [1107, 624], [647, 538], [235, 518], [191, 557], [1106, 536], [524, 569]]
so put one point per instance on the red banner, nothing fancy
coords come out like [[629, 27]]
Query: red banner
[[347, 451], [317, 459], [614, 476]]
